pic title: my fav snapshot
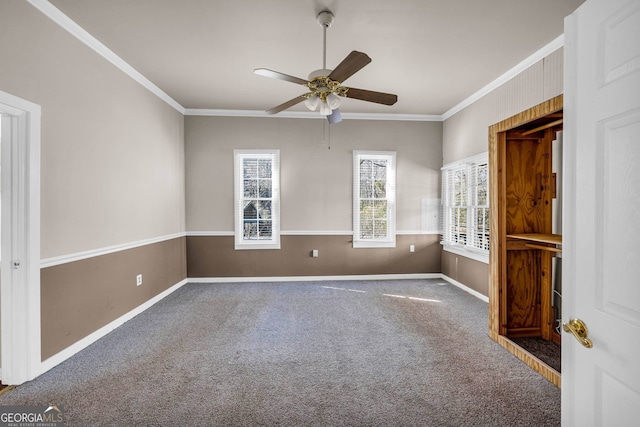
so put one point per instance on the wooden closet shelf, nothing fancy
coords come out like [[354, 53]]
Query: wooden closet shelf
[[554, 239]]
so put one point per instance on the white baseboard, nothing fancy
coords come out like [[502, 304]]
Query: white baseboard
[[314, 278], [335, 278], [95, 336], [465, 288]]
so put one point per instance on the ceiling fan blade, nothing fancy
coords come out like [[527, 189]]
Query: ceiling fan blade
[[334, 117], [286, 105], [350, 65], [371, 96], [280, 76]]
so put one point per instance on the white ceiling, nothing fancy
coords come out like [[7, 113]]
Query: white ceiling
[[432, 53]]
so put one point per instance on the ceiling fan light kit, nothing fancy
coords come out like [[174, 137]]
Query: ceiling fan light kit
[[325, 110], [325, 85], [312, 102]]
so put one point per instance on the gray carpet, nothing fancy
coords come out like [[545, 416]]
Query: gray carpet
[[380, 353]]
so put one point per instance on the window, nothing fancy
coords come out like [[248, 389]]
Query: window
[[257, 199], [465, 202], [374, 199]]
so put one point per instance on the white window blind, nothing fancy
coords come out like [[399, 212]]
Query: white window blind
[[257, 199], [465, 204], [374, 199]]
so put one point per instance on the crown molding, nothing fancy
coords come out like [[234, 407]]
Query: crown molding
[[391, 116], [554, 45], [57, 16], [312, 115], [81, 34]]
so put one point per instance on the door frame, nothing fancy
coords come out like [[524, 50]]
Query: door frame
[[20, 264]]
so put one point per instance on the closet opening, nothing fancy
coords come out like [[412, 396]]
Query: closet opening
[[525, 290]]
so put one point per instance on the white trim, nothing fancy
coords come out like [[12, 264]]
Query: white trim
[[416, 232], [20, 285], [391, 197], [312, 115], [339, 278], [374, 244], [467, 253], [470, 166], [554, 45], [95, 336], [210, 233], [316, 233], [239, 196], [64, 259], [81, 34], [314, 278], [465, 288], [78, 256], [389, 116], [308, 233]]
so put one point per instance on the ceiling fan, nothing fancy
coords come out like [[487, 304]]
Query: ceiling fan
[[325, 85]]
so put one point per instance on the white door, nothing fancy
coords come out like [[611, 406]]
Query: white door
[[601, 247]]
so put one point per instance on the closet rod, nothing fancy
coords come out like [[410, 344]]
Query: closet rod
[[548, 125], [544, 248]]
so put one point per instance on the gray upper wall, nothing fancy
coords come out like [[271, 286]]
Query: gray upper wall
[[112, 153], [465, 134], [316, 168]]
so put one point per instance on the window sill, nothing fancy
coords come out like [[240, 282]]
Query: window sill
[[467, 253], [373, 244], [257, 246]]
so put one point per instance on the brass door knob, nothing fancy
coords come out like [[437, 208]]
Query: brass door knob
[[579, 330]]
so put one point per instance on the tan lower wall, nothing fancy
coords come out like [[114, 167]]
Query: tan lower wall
[[80, 297], [469, 272], [215, 256]]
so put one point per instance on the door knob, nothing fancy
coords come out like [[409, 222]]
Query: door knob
[[579, 330]]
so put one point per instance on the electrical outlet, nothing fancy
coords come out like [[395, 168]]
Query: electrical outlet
[[314, 253], [139, 280], [412, 248]]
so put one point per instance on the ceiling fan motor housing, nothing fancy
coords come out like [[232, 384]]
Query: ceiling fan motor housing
[[322, 72], [325, 18]]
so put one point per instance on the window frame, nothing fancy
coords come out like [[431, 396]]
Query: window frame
[[239, 157], [391, 196], [473, 247]]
